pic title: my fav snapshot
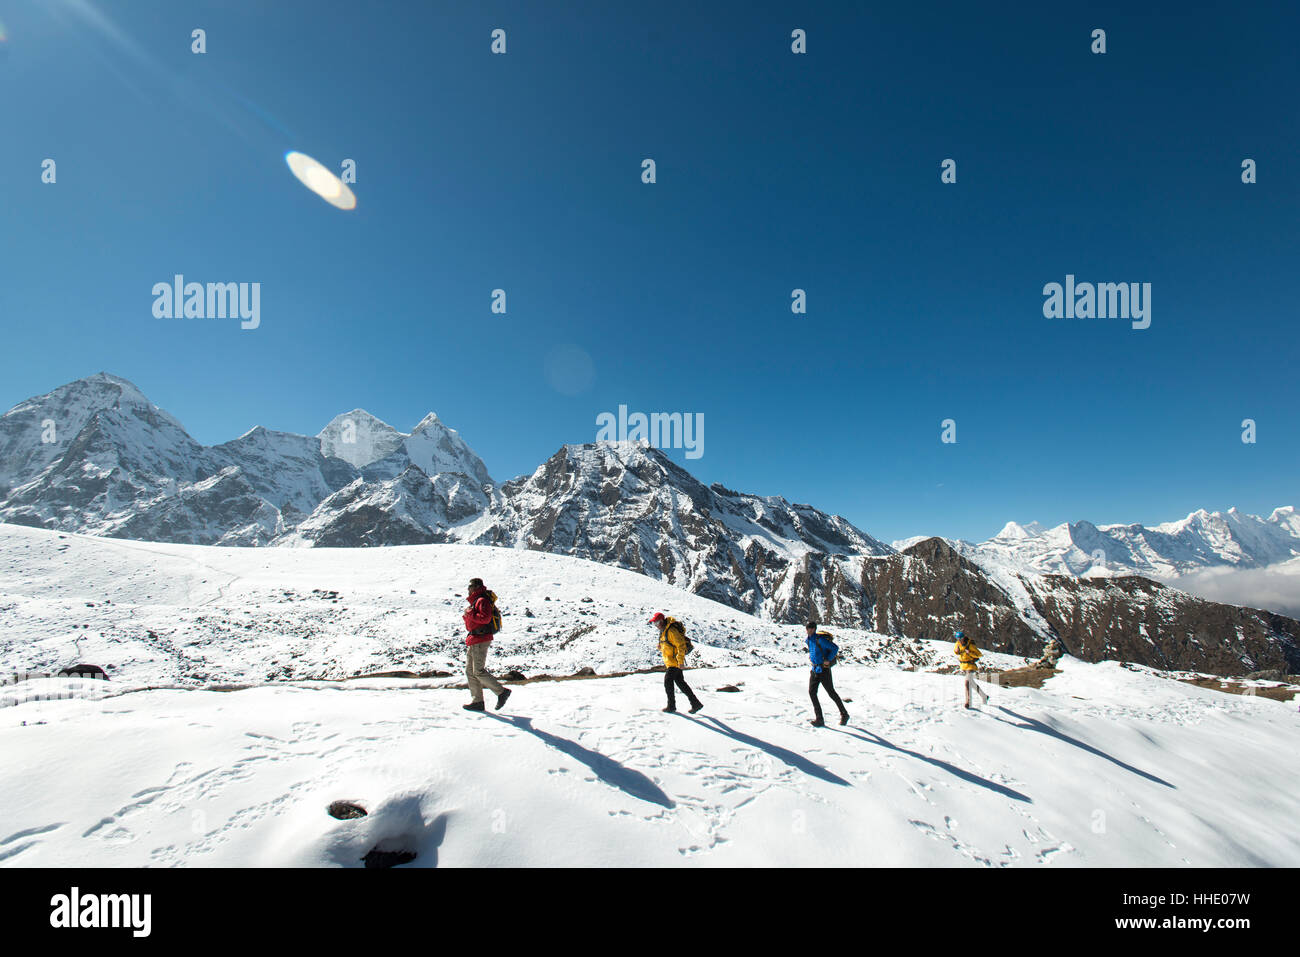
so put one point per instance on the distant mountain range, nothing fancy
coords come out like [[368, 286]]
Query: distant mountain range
[[1201, 540], [96, 456]]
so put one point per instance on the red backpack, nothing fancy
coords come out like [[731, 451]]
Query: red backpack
[[492, 627]]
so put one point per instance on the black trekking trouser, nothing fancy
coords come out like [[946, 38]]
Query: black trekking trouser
[[824, 679], [674, 676]]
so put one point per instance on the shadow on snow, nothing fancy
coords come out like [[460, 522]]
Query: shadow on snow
[[791, 758], [950, 768], [1042, 728], [629, 780]]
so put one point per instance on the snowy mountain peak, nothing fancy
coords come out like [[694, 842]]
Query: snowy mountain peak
[[1286, 519], [37, 432], [434, 448], [125, 386], [1204, 539], [381, 452], [1015, 531], [428, 422], [359, 438]]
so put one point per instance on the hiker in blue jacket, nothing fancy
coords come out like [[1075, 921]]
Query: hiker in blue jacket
[[822, 652]]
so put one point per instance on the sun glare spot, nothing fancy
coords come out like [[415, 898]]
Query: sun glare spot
[[320, 180]]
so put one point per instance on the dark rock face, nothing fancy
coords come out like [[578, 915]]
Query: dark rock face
[[927, 591], [635, 508], [930, 591], [1137, 619]]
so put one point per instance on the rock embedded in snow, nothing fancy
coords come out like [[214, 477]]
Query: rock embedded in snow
[[84, 671], [379, 858]]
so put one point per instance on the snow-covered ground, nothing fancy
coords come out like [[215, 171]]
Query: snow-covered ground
[[1102, 766], [154, 613]]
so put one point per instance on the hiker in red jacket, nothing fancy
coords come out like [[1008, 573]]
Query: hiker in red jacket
[[481, 622]]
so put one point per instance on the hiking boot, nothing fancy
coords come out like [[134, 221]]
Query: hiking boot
[[501, 698], [817, 723], [697, 706], [671, 709], [474, 706], [844, 719]]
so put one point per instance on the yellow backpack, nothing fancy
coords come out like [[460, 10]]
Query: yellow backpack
[[687, 647]]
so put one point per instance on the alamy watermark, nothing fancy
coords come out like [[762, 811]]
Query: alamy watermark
[[660, 430], [1104, 300], [179, 299], [77, 909], [39, 688]]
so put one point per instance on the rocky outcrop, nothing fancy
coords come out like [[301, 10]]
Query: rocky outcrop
[[1140, 620], [1052, 654], [633, 507], [930, 591]]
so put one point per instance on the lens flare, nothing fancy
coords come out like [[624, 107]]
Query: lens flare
[[320, 180]]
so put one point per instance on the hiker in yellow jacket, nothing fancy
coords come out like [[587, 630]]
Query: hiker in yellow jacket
[[967, 654], [672, 645]]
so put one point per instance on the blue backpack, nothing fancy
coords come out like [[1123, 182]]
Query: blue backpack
[[830, 650]]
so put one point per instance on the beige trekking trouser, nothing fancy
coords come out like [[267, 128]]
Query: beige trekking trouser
[[971, 683], [477, 673]]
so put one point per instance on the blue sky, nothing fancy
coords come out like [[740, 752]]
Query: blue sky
[[775, 171]]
